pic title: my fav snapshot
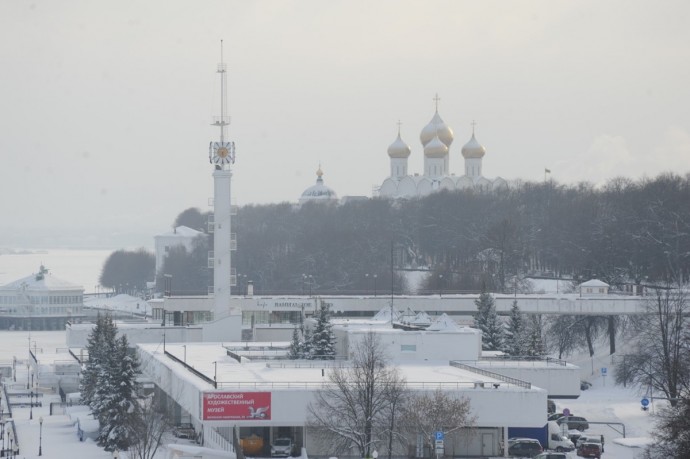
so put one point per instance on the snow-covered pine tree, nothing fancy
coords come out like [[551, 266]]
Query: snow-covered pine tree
[[322, 338], [306, 349], [534, 344], [99, 347], [295, 346], [119, 407], [488, 322], [514, 342]]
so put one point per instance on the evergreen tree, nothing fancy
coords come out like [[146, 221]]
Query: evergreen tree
[[322, 338], [306, 346], [295, 346], [119, 409], [534, 346], [488, 322], [515, 331], [108, 384], [99, 347]]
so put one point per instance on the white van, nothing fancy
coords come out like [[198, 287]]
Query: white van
[[557, 440]]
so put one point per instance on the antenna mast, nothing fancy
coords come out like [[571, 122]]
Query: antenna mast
[[223, 121]]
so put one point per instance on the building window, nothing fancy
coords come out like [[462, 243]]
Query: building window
[[408, 348]]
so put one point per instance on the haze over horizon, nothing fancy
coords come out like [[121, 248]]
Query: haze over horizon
[[107, 106]]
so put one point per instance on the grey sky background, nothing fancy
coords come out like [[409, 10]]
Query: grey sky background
[[105, 107]]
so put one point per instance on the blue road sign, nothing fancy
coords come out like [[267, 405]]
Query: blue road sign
[[603, 371], [645, 402], [439, 435]]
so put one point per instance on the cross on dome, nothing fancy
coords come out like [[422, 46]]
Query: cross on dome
[[437, 99]]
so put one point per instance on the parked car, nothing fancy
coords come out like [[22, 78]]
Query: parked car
[[524, 447], [574, 422], [281, 447], [588, 449], [555, 416], [184, 431], [551, 455], [591, 439]]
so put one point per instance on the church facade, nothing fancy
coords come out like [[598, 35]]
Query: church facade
[[436, 139]]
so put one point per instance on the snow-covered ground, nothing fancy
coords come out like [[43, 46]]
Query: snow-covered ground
[[604, 402]]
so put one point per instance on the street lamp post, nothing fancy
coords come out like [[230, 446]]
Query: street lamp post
[[31, 404], [310, 279], [40, 436], [375, 276], [185, 353], [2, 431], [440, 285]]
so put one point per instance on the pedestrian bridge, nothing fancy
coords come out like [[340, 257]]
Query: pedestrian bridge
[[359, 305]]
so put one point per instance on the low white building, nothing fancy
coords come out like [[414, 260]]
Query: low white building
[[594, 287], [214, 387]]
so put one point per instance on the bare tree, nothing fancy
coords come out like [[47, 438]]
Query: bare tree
[[147, 430], [351, 406], [427, 413], [659, 362]]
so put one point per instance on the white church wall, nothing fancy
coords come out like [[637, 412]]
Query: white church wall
[[424, 187], [389, 188], [407, 187]]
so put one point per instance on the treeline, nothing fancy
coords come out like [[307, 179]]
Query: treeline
[[624, 232]]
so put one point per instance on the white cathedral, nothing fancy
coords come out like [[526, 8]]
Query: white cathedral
[[436, 138]]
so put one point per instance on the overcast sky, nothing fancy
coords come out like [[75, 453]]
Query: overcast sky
[[105, 107]]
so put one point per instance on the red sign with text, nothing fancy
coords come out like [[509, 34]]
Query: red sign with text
[[222, 406]]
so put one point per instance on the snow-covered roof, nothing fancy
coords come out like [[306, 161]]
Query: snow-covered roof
[[444, 323], [594, 283], [278, 373], [181, 231], [422, 318], [384, 315], [45, 282]]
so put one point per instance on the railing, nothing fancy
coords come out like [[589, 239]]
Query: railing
[[75, 357], [8, 413], [501, 360], [214, 439], [191, 369], [491, 374], [310, 385]]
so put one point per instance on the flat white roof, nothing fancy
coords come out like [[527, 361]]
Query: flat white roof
[[212, 358]]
